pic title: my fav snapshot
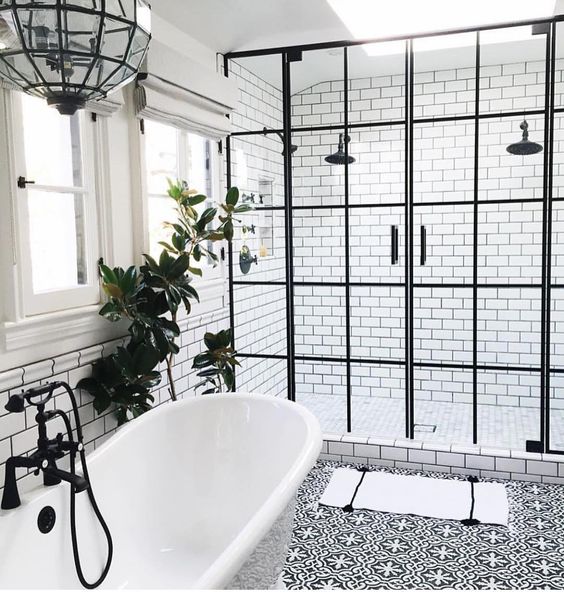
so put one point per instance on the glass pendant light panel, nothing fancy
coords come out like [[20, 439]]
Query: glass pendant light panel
[[72, 51]]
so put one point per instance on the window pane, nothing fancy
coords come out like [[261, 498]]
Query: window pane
[[52, 145], [199, 176], [161, 209], [162, 159], [57, 240]]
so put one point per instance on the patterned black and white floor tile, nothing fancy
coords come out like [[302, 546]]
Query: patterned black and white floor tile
[[331, 549]]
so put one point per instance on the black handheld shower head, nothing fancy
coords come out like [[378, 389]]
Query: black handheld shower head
[[15, 404]]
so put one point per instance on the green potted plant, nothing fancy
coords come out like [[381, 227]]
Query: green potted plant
[[150, 297]]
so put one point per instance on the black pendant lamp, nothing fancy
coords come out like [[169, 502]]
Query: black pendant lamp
[[72, 51], [340, 157], [524, 147]]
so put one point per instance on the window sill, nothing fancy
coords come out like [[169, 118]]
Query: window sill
[[44, 336]]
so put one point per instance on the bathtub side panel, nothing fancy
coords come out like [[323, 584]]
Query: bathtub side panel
[[264, 567]]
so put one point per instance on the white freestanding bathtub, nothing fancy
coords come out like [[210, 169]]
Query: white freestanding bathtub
[[197, 494]]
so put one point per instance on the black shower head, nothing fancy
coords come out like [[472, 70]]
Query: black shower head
[[524, 147], [293, 147], [340, 157]]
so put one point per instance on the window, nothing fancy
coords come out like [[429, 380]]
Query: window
[[173, 154], [56, 206]]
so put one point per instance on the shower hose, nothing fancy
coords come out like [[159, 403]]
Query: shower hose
[[75, 551]]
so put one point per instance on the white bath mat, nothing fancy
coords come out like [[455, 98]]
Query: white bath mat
[[471, 502]]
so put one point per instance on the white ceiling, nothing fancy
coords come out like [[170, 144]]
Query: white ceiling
[[234, 25]]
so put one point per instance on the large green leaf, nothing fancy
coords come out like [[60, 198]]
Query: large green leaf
[[232, 196], [196, 200], [180, 266], [108, 275], [145, 359], [111, 311], [228, 230]]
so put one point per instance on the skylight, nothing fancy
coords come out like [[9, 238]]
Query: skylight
[[373, 19]]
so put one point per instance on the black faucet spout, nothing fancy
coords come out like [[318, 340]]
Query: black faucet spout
[[10, 496], [53, 476]]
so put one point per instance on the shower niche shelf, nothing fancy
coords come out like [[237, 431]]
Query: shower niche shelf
[[259, 237]]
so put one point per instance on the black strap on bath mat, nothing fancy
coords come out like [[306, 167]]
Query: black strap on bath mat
[[471, 521], [349, 507]]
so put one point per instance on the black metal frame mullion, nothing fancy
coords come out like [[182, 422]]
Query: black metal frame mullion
[[396, 362], [544, 332], [409, 382], [347, 238], [547, 229], [287, 127], [398, 122], [230, 287], [551, 199], [475, 245], [356, 42]]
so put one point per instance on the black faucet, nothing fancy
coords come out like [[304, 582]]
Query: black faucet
[[48, 452]]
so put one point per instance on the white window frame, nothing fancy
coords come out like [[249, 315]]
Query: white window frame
[[212, 284], [80, 296]]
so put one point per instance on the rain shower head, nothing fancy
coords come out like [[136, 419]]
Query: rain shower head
[[340, 157], [293, 147], [524, 146]]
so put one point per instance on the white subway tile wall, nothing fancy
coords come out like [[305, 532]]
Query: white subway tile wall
[[257, 169], [509, 241]]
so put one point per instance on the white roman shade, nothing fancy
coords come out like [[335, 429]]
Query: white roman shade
[[176, 90]]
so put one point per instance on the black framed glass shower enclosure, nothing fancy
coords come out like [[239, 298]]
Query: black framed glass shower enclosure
[[402, 273]]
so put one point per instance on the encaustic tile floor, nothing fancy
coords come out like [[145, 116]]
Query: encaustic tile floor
[[331, 549]]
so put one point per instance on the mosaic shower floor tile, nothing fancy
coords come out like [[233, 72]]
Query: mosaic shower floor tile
[[445, 422]]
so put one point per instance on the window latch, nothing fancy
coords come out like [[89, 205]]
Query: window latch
[[23, 182]]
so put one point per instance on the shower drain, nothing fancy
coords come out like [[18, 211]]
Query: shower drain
[[424, 427]]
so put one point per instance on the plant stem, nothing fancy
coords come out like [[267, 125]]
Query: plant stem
[[172, 388], [169, 361]]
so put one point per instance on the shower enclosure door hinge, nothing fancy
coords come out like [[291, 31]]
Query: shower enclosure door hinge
[[142, 126], [534, 446], [94, 117], [220, 147], [222, 253]]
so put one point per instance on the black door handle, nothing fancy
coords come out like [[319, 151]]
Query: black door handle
[[423, 245], [23, 182], [395, 244]]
